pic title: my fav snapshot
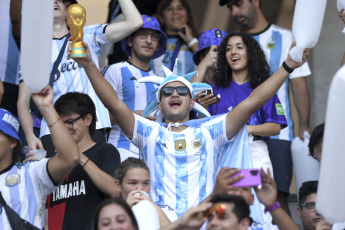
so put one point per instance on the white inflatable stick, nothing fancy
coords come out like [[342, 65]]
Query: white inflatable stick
[[36, 43], [330, 201], [305, 167], [306, 26], [341, 5]]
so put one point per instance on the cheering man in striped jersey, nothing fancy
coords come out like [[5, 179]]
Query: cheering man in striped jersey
[[181, 154]]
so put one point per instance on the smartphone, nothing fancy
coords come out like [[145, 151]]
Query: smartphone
[[252, 177], [208, 92]]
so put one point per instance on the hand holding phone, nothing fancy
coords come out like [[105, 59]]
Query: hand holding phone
[[210, 100], [251, 178]]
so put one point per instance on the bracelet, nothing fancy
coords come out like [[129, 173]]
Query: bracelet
[[85, 162], [192, 42], [272, 208], [287, 68], [54, 122]]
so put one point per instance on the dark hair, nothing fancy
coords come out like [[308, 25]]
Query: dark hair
[[307, 188], [70, 1], [128, 164], [316, 138], [79, 103], [240, 209], [223, 2], [191, 21], [258, 68], [109, 201], [16, 150]]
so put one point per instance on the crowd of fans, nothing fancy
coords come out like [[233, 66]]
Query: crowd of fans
[[143, 142]]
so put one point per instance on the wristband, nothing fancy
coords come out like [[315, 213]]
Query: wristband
[[287, 68], [192, 42], [86, 162], [54, 122], [272, 208]]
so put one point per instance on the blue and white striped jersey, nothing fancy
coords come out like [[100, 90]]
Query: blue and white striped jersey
[[182, 165], [184, 54], [70, 77], [123, 78], [276, 42], [9, 55], [24, 188]]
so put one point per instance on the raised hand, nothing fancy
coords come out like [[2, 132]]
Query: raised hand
[[294, 65], [267, 195]]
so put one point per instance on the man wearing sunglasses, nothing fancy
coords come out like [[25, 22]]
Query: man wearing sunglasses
[[145, 44], [182, 154]]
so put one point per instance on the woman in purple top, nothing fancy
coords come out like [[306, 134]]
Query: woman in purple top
[[242, 66]]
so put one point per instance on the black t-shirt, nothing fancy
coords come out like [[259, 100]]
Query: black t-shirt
[[72, 204]]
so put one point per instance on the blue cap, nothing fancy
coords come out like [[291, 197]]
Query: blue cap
[[9, 124], [153, 24], [207, 39]]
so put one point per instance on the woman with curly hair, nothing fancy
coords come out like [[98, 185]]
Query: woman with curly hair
[[242, 66]]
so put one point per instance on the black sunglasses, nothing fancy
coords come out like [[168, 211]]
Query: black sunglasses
[[181, 90]]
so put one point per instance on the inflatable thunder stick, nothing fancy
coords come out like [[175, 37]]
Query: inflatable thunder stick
[[306, 25], [341, 5], [330, 201], [36, 43]]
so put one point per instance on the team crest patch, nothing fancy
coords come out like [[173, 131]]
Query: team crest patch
[[271, 44], [280, 110], [196, 143], [12, 180], [180, 145]]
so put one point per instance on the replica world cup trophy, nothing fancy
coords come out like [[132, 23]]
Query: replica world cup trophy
[[76, 16]]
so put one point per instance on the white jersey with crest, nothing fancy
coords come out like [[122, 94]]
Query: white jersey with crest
[[182, 165], [276, 42], [70, 77], [25, 188], [123, 78]]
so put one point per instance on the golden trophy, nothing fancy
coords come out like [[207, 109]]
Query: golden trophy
[[76, 20]]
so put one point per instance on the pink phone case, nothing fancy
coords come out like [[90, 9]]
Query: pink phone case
[[252, 177]]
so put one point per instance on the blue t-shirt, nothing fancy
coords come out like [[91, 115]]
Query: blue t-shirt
[[234, 94]]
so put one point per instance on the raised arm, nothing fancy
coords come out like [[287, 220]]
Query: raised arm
[[242, 112], [267, 195], [209, 60], [133, 21], [265, 129], [120, 112], [25, 117], [59, 166], [301, 98], [16, 17]]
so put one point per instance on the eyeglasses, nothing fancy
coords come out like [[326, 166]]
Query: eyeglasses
[[169, 90], [310, 206], [71, 121], [142, 34]]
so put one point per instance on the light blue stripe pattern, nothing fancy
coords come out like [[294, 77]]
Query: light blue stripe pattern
[[30, 195], [181, 158]]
